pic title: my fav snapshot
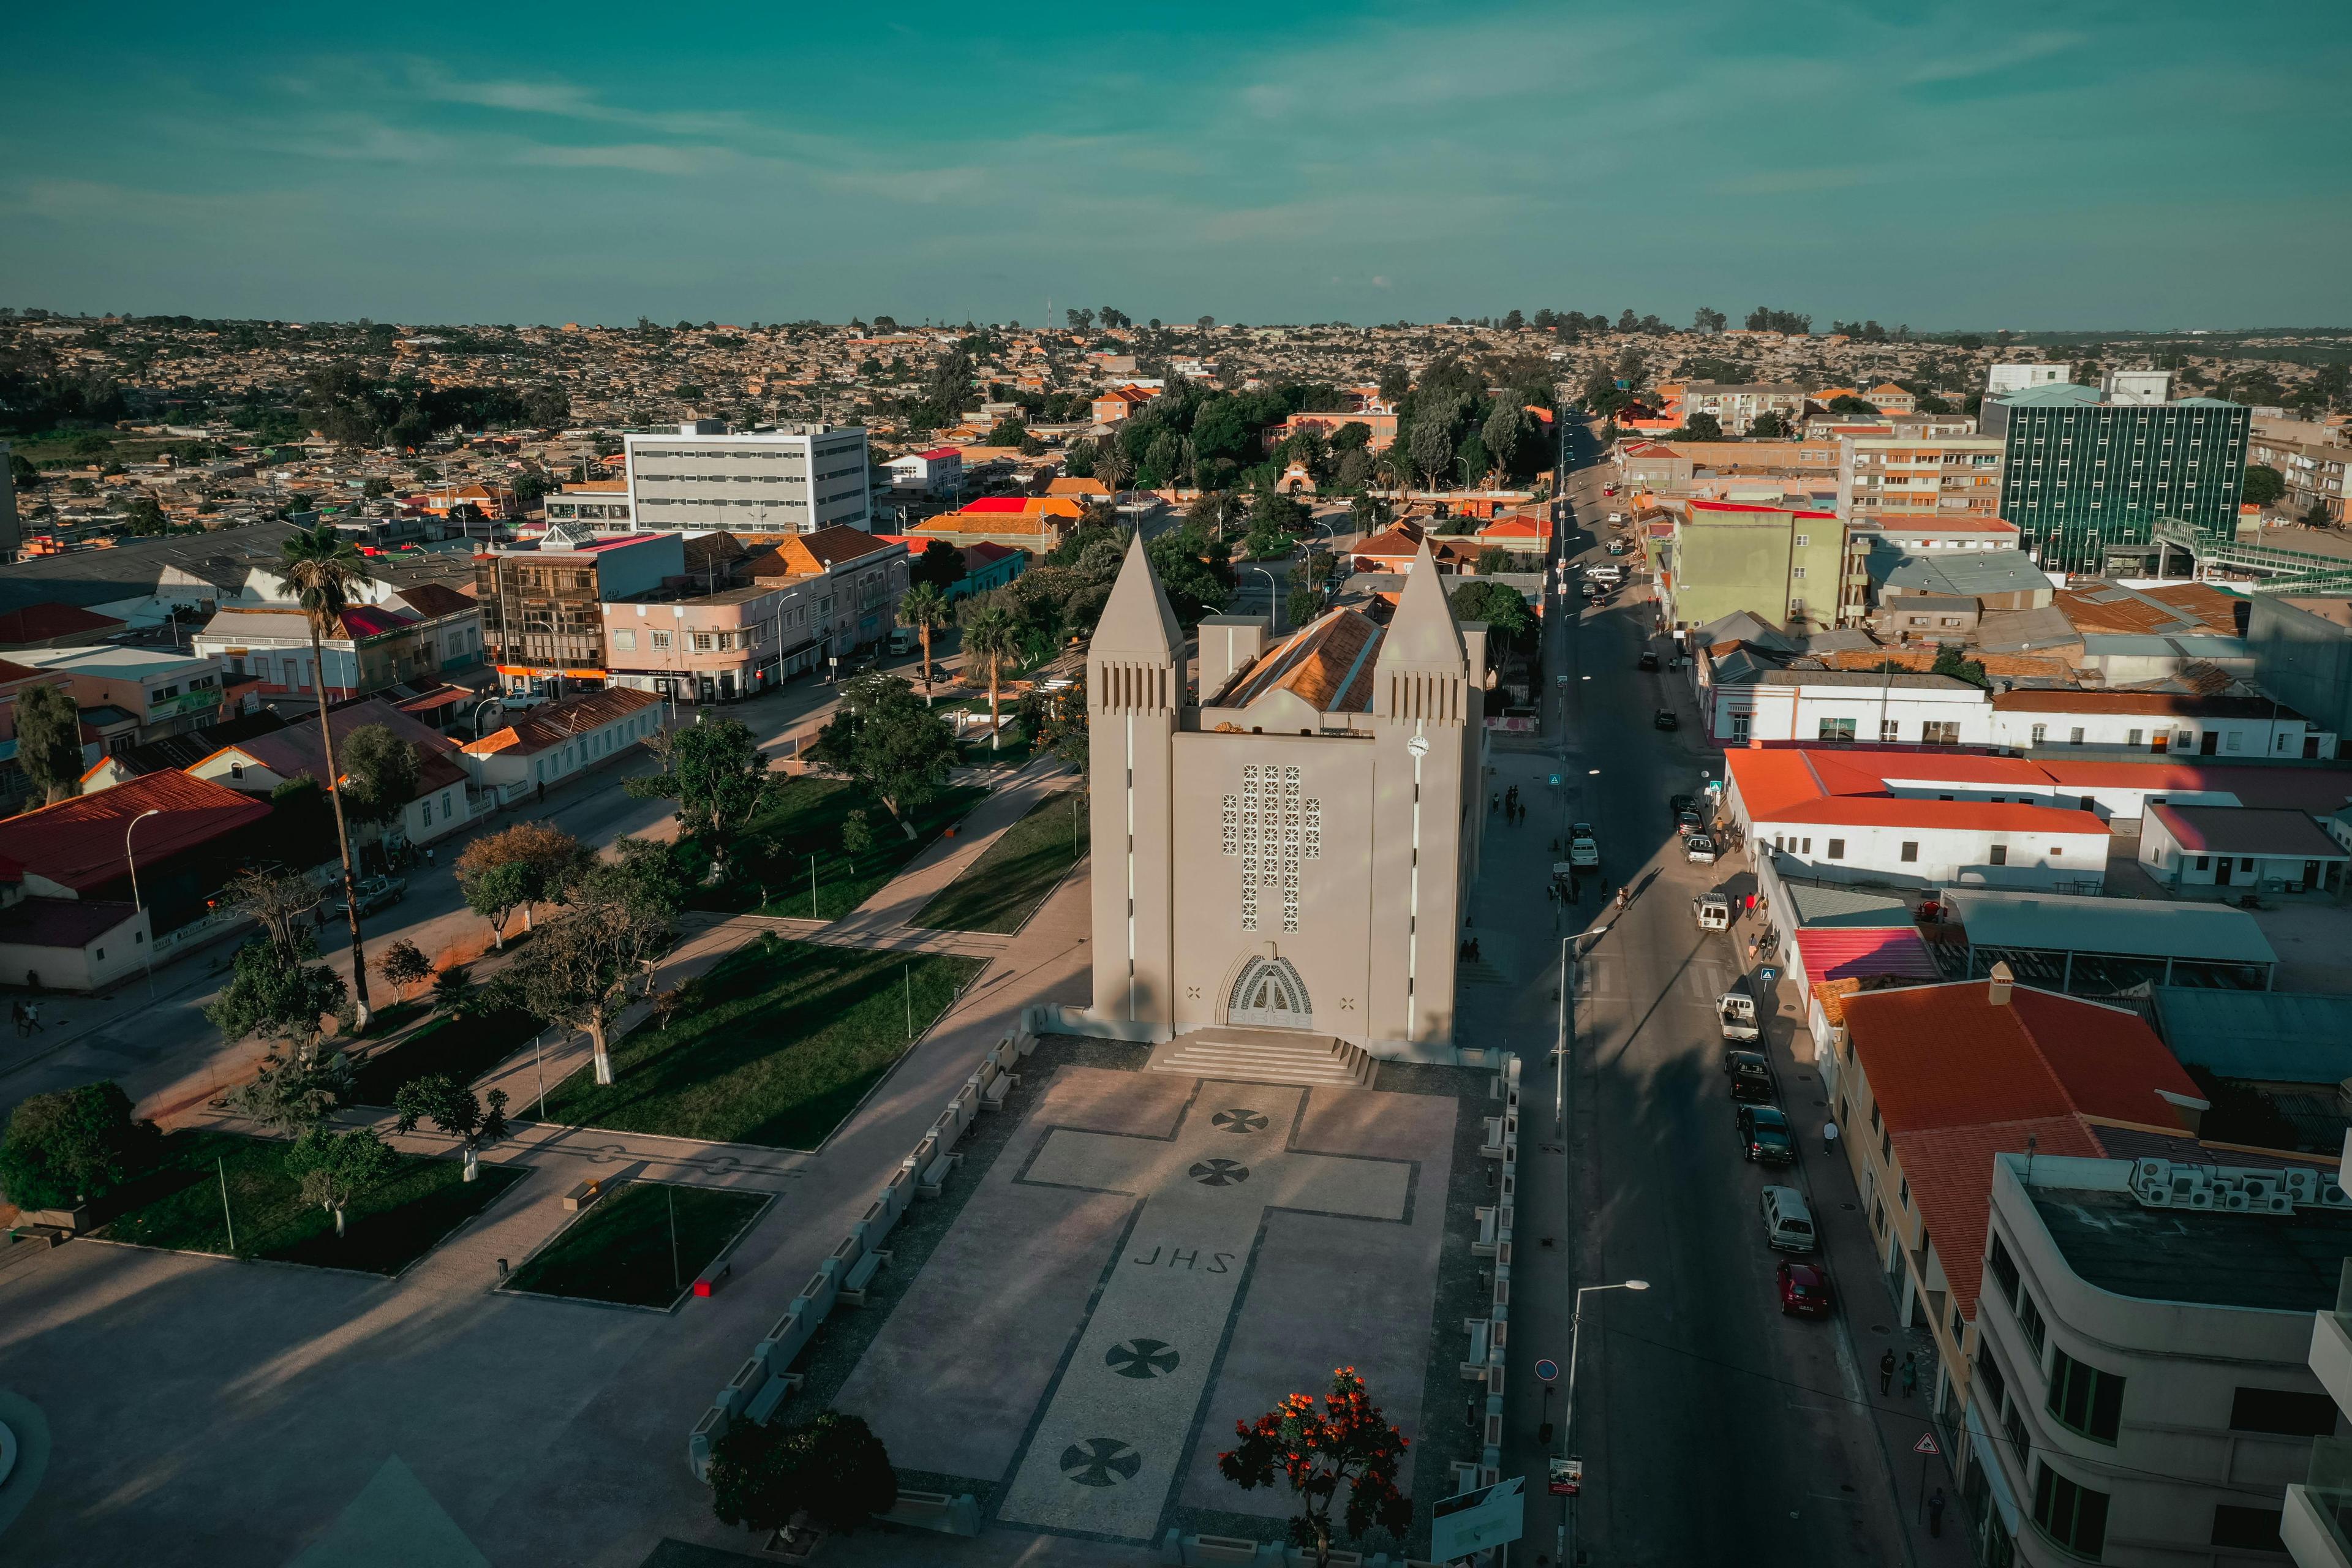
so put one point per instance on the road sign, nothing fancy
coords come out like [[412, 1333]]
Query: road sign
[[1547, 1371], [1567, 1477], [1555, 778], [1768, 974], [1925, 1445], [1476, 1520]]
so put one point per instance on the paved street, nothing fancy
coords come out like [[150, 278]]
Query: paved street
[[1713, 1428]]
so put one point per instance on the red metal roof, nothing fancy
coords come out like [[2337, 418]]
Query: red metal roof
[[77, 843], [1839, 953]]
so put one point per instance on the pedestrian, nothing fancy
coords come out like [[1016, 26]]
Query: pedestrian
[[33, 1018], [542, 792], [1575, 888], [1493, 803], [1910, 1374], [1886, 1371], [1829, 1138], [1936, 1512]]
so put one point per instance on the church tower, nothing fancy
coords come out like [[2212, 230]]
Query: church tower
[[1135, 689], [1426, 735]]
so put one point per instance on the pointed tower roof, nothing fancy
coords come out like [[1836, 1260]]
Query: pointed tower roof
[[1423, 634], [1137, 619]]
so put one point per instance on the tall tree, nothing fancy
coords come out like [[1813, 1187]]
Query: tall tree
[[717, 774], [48, 741], [992, 637], [924, 607], [587, 965], [453, 1108], [882, 736], [1348, 1446], [323, 569], [72, 1145], [516, 867], [380, 774], [404, 965], [833, 1468]]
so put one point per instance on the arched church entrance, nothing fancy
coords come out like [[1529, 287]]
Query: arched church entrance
[[1270, 994]]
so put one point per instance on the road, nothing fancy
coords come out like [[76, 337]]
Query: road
[[1713, 1428]]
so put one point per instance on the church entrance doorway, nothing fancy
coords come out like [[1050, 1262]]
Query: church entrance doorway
[[1270, 994]]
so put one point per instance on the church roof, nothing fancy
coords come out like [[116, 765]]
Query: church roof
[[1327, 663], [1423, 634], [1137, 618]]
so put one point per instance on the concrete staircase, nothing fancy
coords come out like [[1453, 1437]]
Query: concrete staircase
[[1266, 1056]]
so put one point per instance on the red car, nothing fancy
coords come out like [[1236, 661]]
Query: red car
[[1804, 1290]]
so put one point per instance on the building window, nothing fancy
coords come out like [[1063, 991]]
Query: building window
[[2073, 1515], [2040, 732], [625, 642], [1739, 723], [2074, 736], [1890, 730], [661, 642], [2255, 1529], [1940, 732], [2000, 854], [1796, 573], [1837, 849], [2004, 1269], [2282, 1411], [2085, 1399], [1910, 852], [2134, 738], [2029, 1318], [1988, 1375], [702, 642], [1837, 729]]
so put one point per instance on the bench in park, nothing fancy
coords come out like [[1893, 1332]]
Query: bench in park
[[1474, 1365], [853, 1284], [585, 1193], [1489, 1219], [949, 1513], [935, 1175], [773, 1394]]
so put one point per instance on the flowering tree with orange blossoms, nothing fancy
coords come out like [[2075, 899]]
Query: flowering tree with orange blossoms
[[1349, 1446]]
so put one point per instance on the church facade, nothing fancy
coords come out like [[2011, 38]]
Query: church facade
[[1288, 845]]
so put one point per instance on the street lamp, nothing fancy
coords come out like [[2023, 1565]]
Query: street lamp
[[1272, 604], [138, 908], [1567, 1408]]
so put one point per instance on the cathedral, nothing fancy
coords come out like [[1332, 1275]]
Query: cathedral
[[1287, 845]]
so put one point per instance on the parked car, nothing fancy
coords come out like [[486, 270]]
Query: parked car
[[1608, 489], [1687, 823], [1713, 911], [373, 893], [1621, 546], [1605, 571], [1700, 849], [1788, 1220], [1805, 1290], [1647, 661], [1676, 804], [1583, 849], [1764, 1136], [1751, 1075], [1663, 719]]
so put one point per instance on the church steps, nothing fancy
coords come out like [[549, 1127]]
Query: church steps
[[1254, 1056]]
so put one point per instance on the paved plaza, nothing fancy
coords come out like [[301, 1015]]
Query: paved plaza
[[1150, 1258]]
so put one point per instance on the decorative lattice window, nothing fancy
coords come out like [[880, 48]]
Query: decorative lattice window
[[1229, 826], [1289, 848], [1310, 839]]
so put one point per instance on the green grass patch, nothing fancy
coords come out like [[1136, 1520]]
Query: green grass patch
[[1004, 886], [392, 1224], [804, 819], [620, 1250], [779, 1042], [465, 1047]]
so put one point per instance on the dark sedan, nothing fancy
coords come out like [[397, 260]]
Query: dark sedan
[[1805, 1290], [1751, 1075], [1664, 720], [1764, 1136]]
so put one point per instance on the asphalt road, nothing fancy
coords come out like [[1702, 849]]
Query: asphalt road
[[1713, 1428]]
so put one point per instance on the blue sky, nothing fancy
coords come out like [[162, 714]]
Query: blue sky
[[2153, 164]]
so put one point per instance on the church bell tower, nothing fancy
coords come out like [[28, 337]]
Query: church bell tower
[[1135, 690]]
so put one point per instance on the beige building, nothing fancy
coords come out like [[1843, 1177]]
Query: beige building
[[1903, 477], [1291, 850]]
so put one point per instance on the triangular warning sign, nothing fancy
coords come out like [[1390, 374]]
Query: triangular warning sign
[[1925, 1445]]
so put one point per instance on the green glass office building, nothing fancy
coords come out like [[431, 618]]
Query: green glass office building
[[2081, 475]]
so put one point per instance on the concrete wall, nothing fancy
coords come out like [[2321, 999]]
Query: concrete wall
[[1795, 713], [2305, 661], [1944, 854]]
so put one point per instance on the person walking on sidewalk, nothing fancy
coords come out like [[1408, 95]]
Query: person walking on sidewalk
[[1829, 1138], [1886, 1371], [1910, 1374], [1936, 1512]]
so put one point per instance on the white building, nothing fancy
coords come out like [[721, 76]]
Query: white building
[[1840, 705], [2159, 723], [1911, 476], [794, 479], [2275, 849], [2003, 378], [936, 473], [545, 745]]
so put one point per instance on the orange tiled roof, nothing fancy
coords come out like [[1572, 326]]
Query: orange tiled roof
[[1327, 663]]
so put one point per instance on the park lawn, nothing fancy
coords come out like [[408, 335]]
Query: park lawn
[[783, 1041], [803, 819], [392, 1224], [1004, 886], [465, 1045], [620, 1250]]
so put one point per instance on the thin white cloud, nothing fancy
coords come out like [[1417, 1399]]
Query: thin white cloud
[[642, 157]]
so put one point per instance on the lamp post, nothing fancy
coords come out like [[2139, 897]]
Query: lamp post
[[476, 723], [138, 908], [1568, 1407], [1272, 604]]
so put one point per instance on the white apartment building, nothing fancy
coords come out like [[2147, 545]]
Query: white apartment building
[[601, 504], [796, 478], [1901, 478], [2003, 378], [1736, 406], [2143, 1390]]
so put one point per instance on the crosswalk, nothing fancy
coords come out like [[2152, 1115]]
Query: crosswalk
[[1606, 976]]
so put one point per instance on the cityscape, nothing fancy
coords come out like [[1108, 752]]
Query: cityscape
[[939, 923]]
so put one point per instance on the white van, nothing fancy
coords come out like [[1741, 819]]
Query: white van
[[1789, 1221], [1607, 572]]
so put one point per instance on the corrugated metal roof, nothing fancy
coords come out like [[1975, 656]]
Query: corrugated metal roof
[[2141, 928], [1833, 952], [2276, 1036], [1849, 908]]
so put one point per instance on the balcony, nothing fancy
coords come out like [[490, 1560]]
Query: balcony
[[2317, 1523], [2331, 1344]]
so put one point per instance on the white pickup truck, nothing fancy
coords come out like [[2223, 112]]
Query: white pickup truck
[[1737, 1010]]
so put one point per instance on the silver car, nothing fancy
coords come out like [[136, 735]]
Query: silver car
[[1700, 849]]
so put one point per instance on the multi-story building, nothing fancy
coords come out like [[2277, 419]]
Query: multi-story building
[[1724, 556], [857, 579], [601, 504], [2143, 1385], [2003, 378], [1902, 479], [543, 604], [165, 691], [2303, 654], [795, 479], [2083, 474], [936, 473], [421, 632], [1736, 406], [2316, 473]]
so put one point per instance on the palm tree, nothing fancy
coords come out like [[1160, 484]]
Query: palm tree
[[992, 634], [323, 568], [925, 608]]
